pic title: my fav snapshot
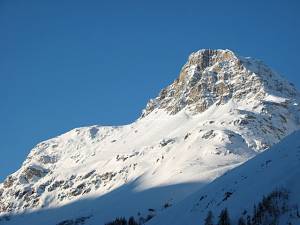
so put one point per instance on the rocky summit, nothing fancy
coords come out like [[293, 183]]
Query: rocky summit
[[222, 110], [216, 77]]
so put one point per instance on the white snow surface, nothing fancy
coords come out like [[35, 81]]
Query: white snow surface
[[275, 169], [159, 160]]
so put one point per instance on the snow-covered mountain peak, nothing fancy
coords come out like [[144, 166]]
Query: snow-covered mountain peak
[[222, 110], [218, 76]]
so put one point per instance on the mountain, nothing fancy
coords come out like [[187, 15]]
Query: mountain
[[222, 110], [273, 174]]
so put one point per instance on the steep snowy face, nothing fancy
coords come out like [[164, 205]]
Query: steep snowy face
[[221, 111], [273, 174], [216, 77]]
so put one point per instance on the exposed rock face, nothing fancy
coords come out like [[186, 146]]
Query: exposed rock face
[[8, 182], [33, 173], [217, 76]]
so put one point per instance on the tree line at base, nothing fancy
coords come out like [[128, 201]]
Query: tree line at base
[[267, 211]]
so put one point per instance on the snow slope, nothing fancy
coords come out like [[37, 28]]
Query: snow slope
[[239, 189], [221, 111]]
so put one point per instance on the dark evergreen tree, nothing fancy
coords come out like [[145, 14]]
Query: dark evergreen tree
[[248, 220], [260, 213], [132, 221], [241, 221], [254, 217], [209, 218], [118, 221], [224, 218]]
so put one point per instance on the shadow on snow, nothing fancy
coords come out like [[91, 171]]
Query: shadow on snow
[[124, 201]]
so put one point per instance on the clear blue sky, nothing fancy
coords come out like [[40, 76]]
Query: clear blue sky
[[65, 64]]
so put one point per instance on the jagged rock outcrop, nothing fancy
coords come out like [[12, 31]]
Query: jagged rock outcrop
[[217, 76]]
